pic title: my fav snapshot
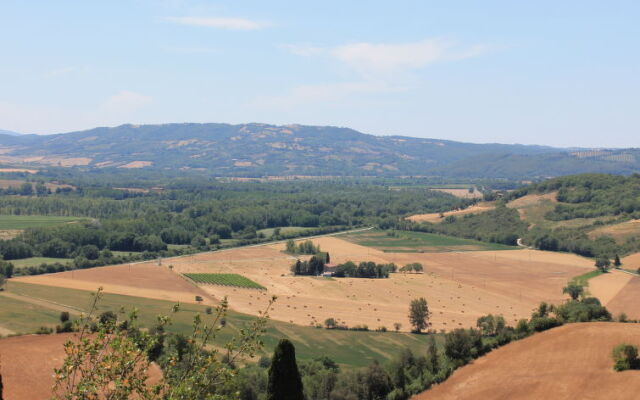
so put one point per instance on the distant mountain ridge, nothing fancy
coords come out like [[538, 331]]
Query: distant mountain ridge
[[12, 133], [248, 150]]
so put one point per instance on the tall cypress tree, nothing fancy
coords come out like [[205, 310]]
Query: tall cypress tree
[[284, 378]]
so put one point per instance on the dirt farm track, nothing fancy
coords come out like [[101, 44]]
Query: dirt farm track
[[459, 286], [569, 362]]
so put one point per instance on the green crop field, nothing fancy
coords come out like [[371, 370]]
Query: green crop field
[[268, 232], [225, 280], [408, 242], [348, 348], [35, 261], [33, 221]]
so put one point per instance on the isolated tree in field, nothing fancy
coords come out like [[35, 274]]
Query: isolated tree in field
[[625, 356], [64, 316], [602, 263], [330, 323], [616, 262], [397, 326], [284, 378], [573, 290], [199, 299], [419, 314]]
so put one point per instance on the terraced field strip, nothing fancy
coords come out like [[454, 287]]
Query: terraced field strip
[[225, 280], [33, 221]]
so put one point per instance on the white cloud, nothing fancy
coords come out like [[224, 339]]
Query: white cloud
[[126, 101], [237, 24], [384, 58], [59, 71]]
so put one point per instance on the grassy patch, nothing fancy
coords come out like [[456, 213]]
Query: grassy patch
[[285, 230], [35, 261], [410, 242], [348, 348], [225, 280], [33, 221], [23, 317], [584, 278]]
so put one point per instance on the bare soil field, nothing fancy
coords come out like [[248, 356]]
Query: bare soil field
[[627, 300], [28, 363], [143, 280], [607, 286], [569, 362], [631, 262], [462, 193], [620, 232], [618, 291], [436, 217], [6, 183], [9, 170]]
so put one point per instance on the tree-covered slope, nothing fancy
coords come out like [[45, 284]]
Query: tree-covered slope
[[262, 150]]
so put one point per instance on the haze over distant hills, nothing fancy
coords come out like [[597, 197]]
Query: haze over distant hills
[[5, 132], [268, 150]]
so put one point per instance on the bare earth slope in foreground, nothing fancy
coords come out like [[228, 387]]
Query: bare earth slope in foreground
[[570, 362], [28, 363]]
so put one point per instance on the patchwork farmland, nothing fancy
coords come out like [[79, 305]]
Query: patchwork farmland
[[459, 285]]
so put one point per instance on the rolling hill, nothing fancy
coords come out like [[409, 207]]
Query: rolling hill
[[263, 150], [569, 362]]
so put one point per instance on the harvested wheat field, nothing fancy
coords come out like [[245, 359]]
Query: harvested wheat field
[[631, 262], [569, 362], [437, 217], [620, 232], [28, 363], [462, 193], [142, 280], [618, 291], [459, 287], [607, 286]]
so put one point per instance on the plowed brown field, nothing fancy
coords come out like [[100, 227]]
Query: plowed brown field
[[28, 363], [569, 362], [142, 280]]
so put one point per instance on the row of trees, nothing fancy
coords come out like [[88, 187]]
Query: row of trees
[[306, 247], [365, 269]]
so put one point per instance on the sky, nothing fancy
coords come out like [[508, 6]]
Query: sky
[[562, 73]]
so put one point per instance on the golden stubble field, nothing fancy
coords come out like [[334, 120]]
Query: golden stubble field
[[569, 362], [459, 286]]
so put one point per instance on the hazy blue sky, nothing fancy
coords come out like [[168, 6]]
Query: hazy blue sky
[[556, 72]]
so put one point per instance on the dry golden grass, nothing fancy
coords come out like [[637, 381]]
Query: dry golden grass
[[437, 217], [620, 232], [462, 193]]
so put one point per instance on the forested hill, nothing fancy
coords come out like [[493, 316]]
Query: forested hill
[[263, 150]]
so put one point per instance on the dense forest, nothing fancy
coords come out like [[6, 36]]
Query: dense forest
[[195, 215]]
